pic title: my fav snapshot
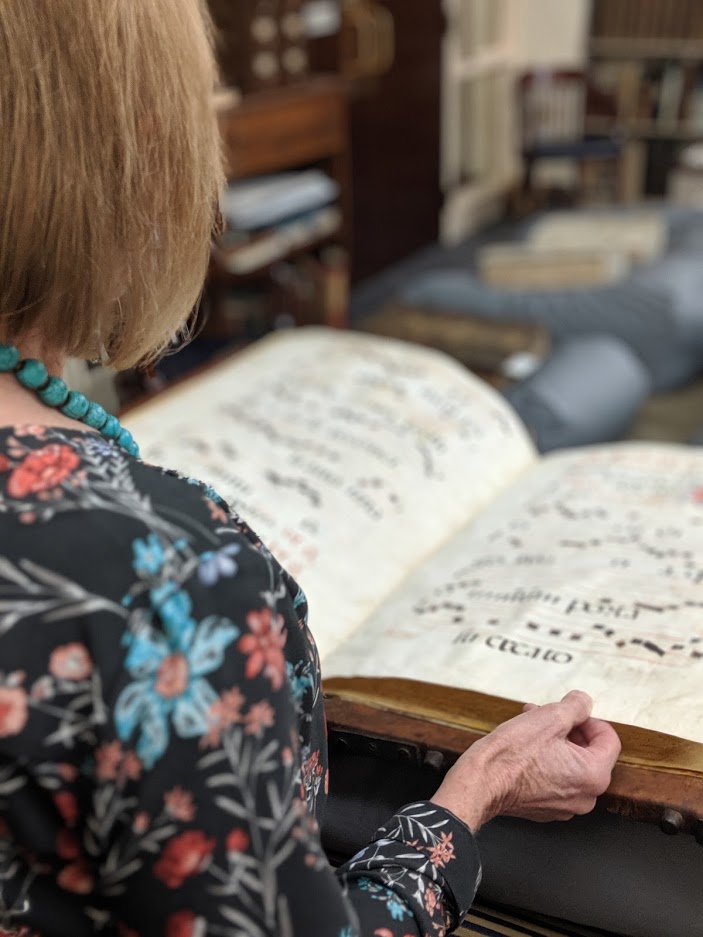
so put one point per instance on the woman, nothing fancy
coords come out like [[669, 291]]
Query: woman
[[162, 749]]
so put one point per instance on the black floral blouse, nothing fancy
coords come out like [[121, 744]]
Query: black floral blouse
[[163, 762]]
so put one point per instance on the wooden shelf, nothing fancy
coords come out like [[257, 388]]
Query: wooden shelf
[[290, 128], [654, 76], [624, 48], [219, 270], [280, 130], [646, 130], [276, 130]]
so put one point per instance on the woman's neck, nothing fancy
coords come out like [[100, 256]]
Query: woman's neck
[[19, 406]]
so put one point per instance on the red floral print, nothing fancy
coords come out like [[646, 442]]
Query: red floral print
[[260, 717], [184, 856], [112, 763], [107, 761], [442, 852], [431, 899], [237, 840], [42, 470], [13, 710], [67, 772], [184, 924], [287, 756], [124, 931], [140, 824], [35, 430], [227, 711], [216, 512], [385, 932], [67, 845], [67, 806], [76, 878], [172, 677], [265, 647], [71, 662], [179, 804], [207, 837], [42, 689]]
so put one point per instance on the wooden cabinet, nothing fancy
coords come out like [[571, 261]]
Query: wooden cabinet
[[395, 140], [283, 130], [288, 128], [261, 43], [291, 128]]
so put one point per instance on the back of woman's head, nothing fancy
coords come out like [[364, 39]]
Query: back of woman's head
[[109, 172]]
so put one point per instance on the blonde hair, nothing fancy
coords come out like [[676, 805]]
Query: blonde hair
[[110, 170]]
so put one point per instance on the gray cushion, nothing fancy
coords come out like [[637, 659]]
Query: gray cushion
[[589, 391], [657, 310]]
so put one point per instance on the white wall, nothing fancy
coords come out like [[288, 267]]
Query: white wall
[[550, 33]]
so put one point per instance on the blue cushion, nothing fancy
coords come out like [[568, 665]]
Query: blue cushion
[[586, 148], [657, 310], [589, 391]]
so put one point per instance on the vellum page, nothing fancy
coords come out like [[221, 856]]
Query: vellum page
[[353, 457], [587, 574]]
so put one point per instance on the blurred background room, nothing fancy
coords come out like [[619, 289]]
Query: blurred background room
[[516, 182]]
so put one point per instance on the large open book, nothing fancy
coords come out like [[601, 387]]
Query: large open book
[[436, 547]]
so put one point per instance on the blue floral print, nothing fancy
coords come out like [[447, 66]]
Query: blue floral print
[[159, 775], [169, 668], [148, 556], [213, 565]]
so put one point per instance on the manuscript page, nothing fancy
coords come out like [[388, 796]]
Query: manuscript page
[[353, 457], [587, 574]]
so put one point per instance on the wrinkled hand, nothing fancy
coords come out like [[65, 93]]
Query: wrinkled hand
[[550, 763]]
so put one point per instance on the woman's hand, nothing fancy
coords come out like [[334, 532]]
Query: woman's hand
[[550, 763]]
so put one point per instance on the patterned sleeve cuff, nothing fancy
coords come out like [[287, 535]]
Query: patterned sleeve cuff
[[429, 857]]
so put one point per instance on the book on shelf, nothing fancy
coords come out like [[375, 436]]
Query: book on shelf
[[261, 202], [312, 290], [240, 253], [671, 91], [694, 111], [448, 567], [647, 19]]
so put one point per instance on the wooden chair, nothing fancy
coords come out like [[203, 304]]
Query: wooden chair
[[553, 106]]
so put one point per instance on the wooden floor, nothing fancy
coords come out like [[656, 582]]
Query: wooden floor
[[672, 417]]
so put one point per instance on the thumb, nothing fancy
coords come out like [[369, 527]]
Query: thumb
[[576, 708], [602, 740]]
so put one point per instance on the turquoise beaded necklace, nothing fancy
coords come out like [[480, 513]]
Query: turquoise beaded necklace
[[52, 391]]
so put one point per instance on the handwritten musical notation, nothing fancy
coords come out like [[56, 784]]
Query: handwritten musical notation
[[572, 564], [344, 441]]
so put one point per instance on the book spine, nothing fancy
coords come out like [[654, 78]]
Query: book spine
[[334, 268]]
